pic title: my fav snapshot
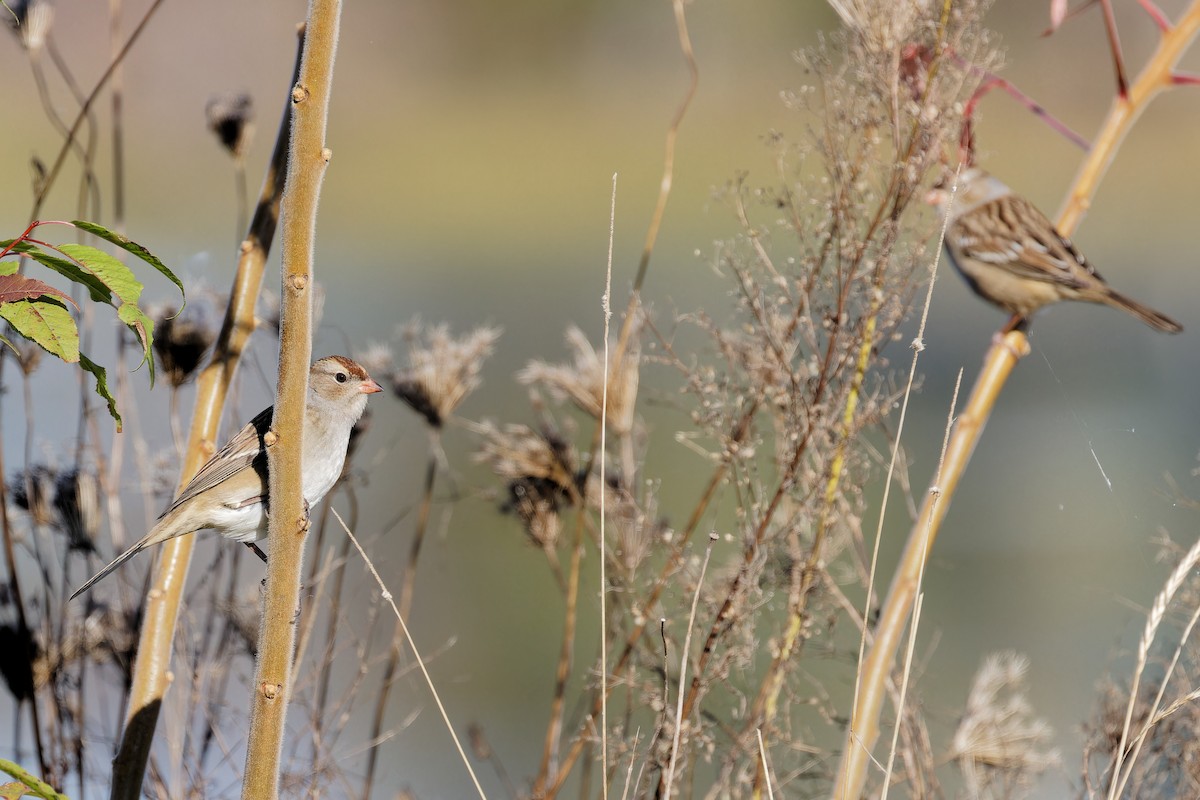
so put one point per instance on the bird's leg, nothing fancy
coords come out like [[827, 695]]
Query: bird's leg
[[1000, 339], [1016, 321], [256, 550]]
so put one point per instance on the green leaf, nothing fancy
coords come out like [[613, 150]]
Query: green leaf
[[47, 322], [130, 247], [143, 327], [8, 267], [19, 287], [11, 346], [118, 278], [102, 386], [20, 247], [72, 271]]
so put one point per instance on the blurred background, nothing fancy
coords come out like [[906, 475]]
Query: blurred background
[[474, 145]]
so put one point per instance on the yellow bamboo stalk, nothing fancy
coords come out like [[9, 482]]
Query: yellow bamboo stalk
[[151, 670]]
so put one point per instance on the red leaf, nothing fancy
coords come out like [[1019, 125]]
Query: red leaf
[[19, 287]]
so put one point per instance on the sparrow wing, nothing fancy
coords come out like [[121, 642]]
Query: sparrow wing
[[244, 451], [1010, 233]]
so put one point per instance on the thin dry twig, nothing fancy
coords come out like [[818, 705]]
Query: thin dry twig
[[683, 662], [607, 308], [387, 596]]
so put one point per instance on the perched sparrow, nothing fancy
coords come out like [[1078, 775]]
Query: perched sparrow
[[1012, 256], [229, 493]]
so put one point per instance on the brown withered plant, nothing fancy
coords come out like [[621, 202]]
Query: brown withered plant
[[781, 410]]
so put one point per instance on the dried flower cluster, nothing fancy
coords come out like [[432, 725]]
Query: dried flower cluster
[[182, 339], [231, 119], [540, 474], [441, 370], [999, 743], [583, 381]]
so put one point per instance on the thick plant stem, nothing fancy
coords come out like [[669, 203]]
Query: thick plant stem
[[876, 668], [1001, 358], [150, 672], [272, 688]]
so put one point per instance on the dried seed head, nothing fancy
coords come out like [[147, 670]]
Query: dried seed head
[[109, 633], [539, 468], [33, 490], [77, 500], [583, 381], [31, 21], [231, 118], [519, 453], [998, 732], [377, 359], [479, 743], [636, 528], [882, 25], [535, 502], [181, 340], [442, 370]]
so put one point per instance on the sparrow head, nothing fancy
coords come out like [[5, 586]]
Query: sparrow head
[[961, 194], [340, 385]]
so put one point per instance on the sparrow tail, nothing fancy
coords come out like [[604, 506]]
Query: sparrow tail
[[1146, 314], [161, 532]]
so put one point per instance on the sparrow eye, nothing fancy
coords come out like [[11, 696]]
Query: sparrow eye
[[340, 377]]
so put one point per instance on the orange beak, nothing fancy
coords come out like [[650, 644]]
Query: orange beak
[[370, 387]]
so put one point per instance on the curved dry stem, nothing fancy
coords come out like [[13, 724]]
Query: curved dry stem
[[149, 681], [549, 768]]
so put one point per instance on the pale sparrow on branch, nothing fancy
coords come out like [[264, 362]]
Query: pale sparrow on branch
[[1013, 256], [229, 493]]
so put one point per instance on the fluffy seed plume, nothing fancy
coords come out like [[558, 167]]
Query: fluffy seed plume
[[442, 370], [33, 490], [77, 501], [539, 468], [999, 741], [31, 21], [583, 381]]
